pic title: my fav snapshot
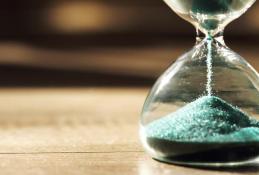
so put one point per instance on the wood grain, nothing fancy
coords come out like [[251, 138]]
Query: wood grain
[[79, 131], [69, 120]]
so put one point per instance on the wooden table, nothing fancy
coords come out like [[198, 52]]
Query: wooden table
[[79, 131]]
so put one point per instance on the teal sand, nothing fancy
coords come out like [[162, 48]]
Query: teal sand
[[206, 130], [211, 7]]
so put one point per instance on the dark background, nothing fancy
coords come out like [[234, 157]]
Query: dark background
[[101, 42]]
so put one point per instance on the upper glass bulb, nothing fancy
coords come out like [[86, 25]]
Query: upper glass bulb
[[210, 16]]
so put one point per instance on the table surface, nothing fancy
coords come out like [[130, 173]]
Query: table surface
[[79, 131]]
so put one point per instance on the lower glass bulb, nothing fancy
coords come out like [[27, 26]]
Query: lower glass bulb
[[204, 110]]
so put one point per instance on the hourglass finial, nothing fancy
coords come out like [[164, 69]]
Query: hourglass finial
[[210, 16]]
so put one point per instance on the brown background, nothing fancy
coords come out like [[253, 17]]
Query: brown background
[[101, 42]]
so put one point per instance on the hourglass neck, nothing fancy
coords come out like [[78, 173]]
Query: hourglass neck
[[218, 37]]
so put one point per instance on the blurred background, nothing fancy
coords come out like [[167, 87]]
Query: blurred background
[[102, 42]]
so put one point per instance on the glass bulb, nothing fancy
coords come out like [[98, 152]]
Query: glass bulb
[[204, 110], [210, 16]]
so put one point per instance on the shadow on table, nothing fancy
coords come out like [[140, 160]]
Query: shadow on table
[[243, 169], [153, 167]]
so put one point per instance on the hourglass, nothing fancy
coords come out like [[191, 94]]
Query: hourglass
[[204, 110]]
